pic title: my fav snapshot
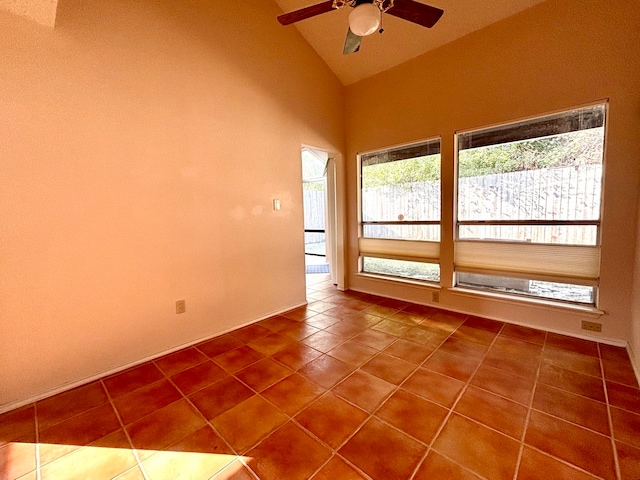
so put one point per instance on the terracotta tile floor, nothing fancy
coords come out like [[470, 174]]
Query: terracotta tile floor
[[352, 386]]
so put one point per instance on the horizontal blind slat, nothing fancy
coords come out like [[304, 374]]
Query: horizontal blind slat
[[419, 251], [552, 261]]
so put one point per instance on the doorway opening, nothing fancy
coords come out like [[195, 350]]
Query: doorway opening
[[318, 189]]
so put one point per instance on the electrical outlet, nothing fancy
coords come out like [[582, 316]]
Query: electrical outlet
[[435, 297], [592, 326], [181, 307]]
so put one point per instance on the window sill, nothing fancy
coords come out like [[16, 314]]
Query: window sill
[[406, 281], [584, 310]]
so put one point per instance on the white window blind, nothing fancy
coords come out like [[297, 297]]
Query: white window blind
[[576, 264], [416, 251], [529, 203], [400, 211]]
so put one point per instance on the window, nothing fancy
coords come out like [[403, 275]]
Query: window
[[528, 206], [400, 215]]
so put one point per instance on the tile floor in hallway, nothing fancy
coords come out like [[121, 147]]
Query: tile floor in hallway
[[352, 386]]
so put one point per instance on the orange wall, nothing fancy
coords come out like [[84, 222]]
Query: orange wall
[[557, 55], [141, 146]]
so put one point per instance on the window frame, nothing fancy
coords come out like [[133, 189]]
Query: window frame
[[521, 125], [424, 251]]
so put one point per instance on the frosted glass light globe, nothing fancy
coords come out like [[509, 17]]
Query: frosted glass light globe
[[364, 19]]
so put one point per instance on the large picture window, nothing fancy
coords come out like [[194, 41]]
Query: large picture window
[[400, 211], [528, 206]]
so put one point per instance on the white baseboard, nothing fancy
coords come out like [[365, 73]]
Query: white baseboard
[[634, 363], [608, 341], [69, 386]]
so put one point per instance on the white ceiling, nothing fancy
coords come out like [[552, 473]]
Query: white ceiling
[[401, 40]]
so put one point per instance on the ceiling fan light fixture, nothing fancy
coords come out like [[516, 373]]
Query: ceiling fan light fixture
[[364, 19]]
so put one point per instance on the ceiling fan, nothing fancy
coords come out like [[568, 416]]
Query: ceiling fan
[[366, 16]]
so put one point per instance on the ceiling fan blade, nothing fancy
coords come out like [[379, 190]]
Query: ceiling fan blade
[[352, 43], [416, 12], [307, 12]]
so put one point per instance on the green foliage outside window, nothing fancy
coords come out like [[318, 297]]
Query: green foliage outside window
[[576, 148], [419, 169]]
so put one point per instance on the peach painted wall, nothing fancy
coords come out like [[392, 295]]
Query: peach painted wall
[[141, 146], [41, 11], [557, 55]]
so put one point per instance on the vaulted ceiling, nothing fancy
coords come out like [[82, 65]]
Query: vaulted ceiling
[[401, 40]]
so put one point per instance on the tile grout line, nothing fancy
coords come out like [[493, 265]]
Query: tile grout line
[[528, 412], [39, 466], [455, 402], [208, 422], [424, 456], [502, 397], [335, 451], [242, 462], [126, 433], [330, 390], [554, 387], [575, 395], [293, 420], [290, 417], [616, 460], [529, 409], [550, 455], [77, 414], [354, 466], [387, 397], [328, 460], [565, 462], [370, 415], [256, 393], [207, 359], [37, 427]]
